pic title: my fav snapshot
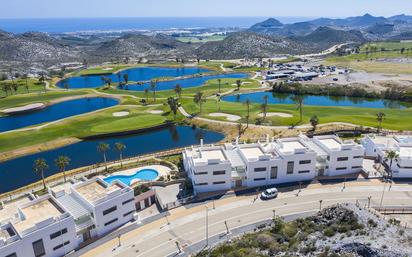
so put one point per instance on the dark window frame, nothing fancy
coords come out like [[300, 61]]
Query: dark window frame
[[110, 210], [219, 172], [219, 182], [128, 201], [58, 233], [43, 253], [260, 169], [110, 222], [305, 162]]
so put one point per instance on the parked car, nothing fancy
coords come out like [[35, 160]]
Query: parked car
[[269, 193]]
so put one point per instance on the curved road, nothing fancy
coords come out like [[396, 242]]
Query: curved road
[[187, 223]]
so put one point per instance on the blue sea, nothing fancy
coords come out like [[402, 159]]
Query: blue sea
[[61, 25]]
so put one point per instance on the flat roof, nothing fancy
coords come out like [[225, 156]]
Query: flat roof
[[291, 146], [37, 212], [405, 152], [213, 154], [331, 143], [7, 232], [252, 152], [95, 190], [383, 140]]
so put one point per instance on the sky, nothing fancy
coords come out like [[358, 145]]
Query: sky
[[199, 8]]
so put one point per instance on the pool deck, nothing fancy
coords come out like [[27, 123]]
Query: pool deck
[[162, 170]]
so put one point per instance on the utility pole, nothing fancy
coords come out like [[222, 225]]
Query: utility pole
[[207, 226], [369, 201], [227, 228], [320, 205], [120, 244], [383, 193], [178, 247]]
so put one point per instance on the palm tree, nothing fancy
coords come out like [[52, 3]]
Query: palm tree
[[265, 106], [178, 90], [120, 148], [238, 84], [153, 87], [199, 99], [391, 155], [39, 166], [314, 121], [298, 99], [173, 104], [26, 78], [126, 78], [62, 162], [219, 81], [146, 92], [247, 103], [103, 148], [380, 117]]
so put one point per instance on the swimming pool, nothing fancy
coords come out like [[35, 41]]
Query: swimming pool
[[145, 175]]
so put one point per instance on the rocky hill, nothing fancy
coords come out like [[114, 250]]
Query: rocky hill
[[247, 44], [137, 45], [34, 47]]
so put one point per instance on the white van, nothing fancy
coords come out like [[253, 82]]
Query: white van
[[269, 193]]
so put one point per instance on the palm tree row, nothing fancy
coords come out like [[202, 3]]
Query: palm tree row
[[40, 165]]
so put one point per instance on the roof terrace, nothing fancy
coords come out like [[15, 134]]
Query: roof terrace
[[96, 189]]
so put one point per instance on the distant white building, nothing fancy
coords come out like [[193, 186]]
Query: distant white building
[[378, 146], [215, 168], [55, 224]]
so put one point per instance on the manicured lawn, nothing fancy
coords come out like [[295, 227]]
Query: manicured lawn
[[395, 119], [33, 85], [96, 123], [211, 87]]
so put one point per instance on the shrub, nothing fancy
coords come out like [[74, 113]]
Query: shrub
[[329, 232]]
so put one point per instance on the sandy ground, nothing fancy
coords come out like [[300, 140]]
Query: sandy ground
[[229, 117], [120, 114], [156, 112], [279, 114]]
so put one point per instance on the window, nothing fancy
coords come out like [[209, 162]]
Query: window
[[201, 173], [260, 169], [219, 182], [274, 172], [341, 168], [303, 171], [305, 162], [60, 245], [38, 248], [128, 213], [357, 157], [58, 233], [128, 201], [105, 212], [110, 222], [290, 167], [342, 159], [12, 255], [219, 172], [201, 184], [356, 167], [259, 179]]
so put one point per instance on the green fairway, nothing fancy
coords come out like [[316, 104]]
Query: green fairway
[[395, 119], [87, 125], [24, 99], [377, 57], [23, 87]]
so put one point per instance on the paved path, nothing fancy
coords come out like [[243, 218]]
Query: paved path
[[187, 223]]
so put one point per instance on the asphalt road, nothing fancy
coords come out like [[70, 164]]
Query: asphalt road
[[187, 225]]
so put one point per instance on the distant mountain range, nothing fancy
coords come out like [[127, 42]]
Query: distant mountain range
[[264, 39]]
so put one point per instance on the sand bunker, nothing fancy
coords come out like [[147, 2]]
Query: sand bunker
[[229, 117], [121, 114], [26, 108], [279, 114], [155, 111]]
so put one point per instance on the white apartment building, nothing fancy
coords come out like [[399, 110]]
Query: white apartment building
[[41, 227], [55, 224], [378, 146], [215, 168], [336, 157]]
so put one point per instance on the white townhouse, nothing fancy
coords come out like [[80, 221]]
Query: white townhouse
[[41, 227], [378, 146], [337, 157], [298, 159], [56, 223]]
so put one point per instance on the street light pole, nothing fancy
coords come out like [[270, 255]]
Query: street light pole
[[320, 205], [207, 226], [227, 228]]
